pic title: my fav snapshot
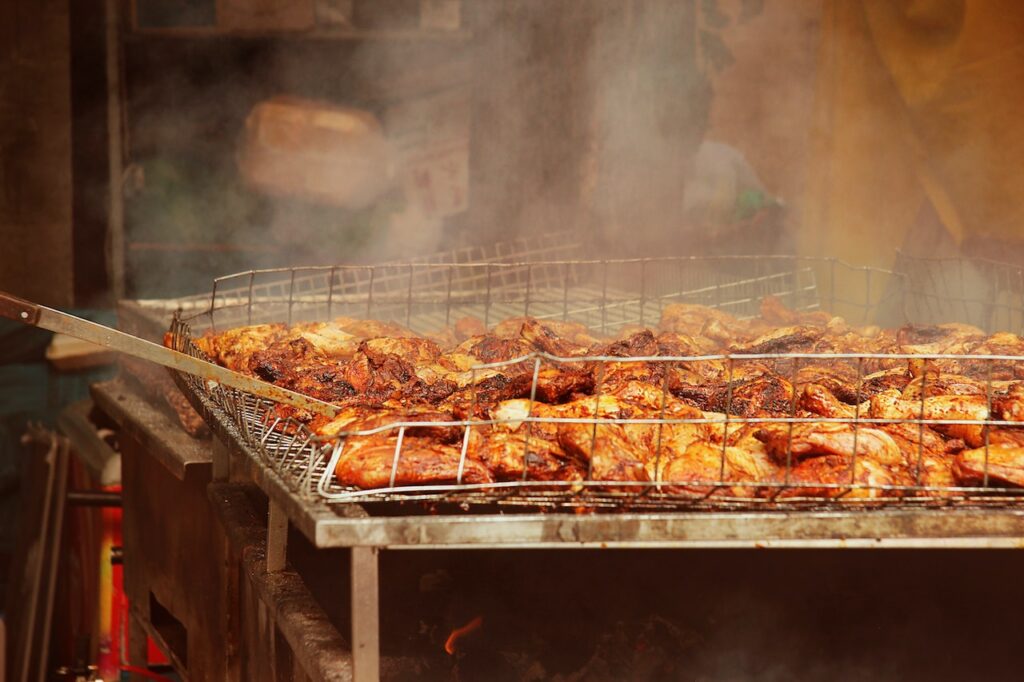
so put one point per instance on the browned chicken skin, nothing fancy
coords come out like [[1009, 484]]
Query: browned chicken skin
[[545, 405]]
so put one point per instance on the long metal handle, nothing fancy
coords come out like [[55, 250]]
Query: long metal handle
[[54, 320]]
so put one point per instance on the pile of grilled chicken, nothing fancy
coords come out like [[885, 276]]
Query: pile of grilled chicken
[[707, 424]]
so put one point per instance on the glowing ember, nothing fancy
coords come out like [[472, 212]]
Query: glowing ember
[[457, 633]]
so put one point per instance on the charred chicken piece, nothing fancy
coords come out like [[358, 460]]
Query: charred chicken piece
[[797, 339], [234, 348]]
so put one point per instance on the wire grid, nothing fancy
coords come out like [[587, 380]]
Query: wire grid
[[986, 293], [427, 297], [306, 463]]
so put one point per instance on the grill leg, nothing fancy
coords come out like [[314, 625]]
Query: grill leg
[[221, 460], [365, 615], [277, 538]]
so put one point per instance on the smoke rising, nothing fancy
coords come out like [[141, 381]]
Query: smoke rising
[[535, 116]]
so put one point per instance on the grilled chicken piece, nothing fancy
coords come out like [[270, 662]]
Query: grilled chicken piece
[[612, 452], [832, 375], [841, 381], [572, 333], [997, 344], [645, 344], [775, 313], [923, 447], [417, 351], [937, 384], [377, 376], [796, 339], [680, 345], [809, 440], [819, 400], [507, 454], [488, 349], [836, 476], [543, 336], [639, 344], [938, 339], [430, 453], [1005, 465], [1008, 405], [692, 319], [753, 391], [703, 463], [890, 405], [367, 463], [234, 348], [298, 365], [330, 338], [607, 450]]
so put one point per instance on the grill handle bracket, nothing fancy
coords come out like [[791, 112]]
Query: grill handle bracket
[[40, 316], [19, 309]]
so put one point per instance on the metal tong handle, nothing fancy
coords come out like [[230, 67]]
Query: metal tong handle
[[54, 320]]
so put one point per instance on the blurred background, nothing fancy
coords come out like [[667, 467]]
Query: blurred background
[[148, 146]]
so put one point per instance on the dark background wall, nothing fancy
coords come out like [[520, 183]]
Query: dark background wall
[[35, 151]]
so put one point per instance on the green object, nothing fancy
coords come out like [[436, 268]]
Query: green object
[[750, 201]]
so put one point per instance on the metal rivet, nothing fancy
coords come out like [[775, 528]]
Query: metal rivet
[[24, 315]]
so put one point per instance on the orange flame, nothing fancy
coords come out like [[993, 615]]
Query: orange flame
[[458, 633]]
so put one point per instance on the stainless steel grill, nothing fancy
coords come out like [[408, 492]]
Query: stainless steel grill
[[604, 295]]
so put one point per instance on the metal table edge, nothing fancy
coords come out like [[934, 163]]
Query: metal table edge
[[956, 528], [173, 448]]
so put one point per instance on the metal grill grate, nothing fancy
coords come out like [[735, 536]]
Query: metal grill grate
[[596, 293], [988, 294]]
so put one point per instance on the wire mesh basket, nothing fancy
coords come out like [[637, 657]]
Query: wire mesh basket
[[609, 296], [988, 294]]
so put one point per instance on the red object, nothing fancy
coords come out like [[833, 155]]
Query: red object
[[458, 633]]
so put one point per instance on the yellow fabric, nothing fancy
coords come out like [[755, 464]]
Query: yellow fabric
[[918, 101]]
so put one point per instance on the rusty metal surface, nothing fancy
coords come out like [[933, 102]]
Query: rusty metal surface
[[954, 528], [315, 645], [176, 573], [158, 433]]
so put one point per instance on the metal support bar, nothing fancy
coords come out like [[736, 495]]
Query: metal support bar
[[220, 458], [365, 614], [277, 538], [93, 498]]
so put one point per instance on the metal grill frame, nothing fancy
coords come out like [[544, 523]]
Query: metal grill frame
[[306, 461], [986, 293]]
